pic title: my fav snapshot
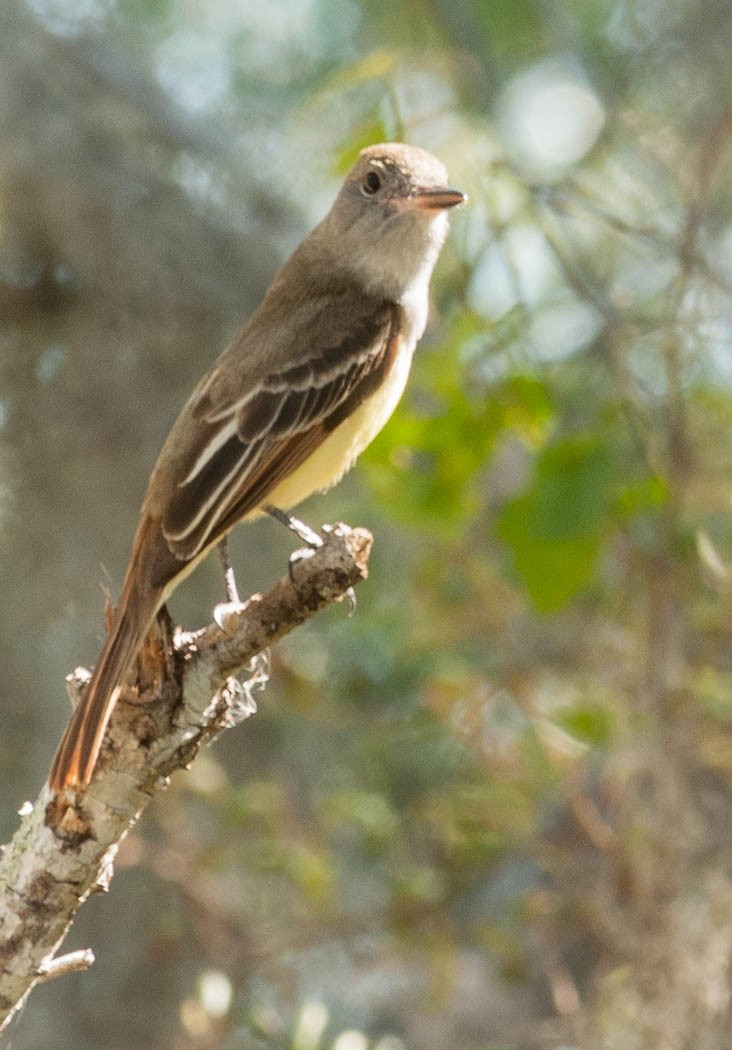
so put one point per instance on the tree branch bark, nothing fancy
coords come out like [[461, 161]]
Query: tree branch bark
[[180, 697]]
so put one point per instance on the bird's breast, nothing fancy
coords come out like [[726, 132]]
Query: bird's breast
[[338, 452]]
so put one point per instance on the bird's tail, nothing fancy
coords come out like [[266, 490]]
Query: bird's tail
[[142, 595]]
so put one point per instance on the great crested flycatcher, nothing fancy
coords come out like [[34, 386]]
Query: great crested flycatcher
[[307, 383]]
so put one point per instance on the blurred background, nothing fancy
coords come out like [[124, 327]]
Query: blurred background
[[492, 810]]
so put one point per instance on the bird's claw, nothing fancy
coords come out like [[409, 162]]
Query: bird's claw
[[301, 530], [225, 613]]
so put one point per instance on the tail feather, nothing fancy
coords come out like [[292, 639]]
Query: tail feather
[[152, 567], [78, 751]]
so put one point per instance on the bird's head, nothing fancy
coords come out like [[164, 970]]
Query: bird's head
[[390, 217]]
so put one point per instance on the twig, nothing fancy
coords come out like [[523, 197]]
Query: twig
[[74, 962]]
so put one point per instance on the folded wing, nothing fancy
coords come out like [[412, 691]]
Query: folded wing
[[247, 446]]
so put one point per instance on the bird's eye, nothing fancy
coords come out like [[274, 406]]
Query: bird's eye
[[372, 183]]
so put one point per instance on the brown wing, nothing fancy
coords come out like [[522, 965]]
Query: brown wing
[[244, 450]]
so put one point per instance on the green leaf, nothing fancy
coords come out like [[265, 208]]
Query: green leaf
[[572, 488], [555, 530], [588, 723], [640, 496], [527, 408], [553, 570]]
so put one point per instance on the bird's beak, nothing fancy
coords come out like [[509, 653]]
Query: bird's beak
[[435, 199]]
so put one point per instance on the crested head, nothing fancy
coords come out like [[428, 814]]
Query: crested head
[[389, 220]]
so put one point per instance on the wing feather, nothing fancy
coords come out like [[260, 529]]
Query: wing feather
[[242, 453]]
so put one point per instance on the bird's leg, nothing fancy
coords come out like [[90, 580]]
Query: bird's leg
[[301, 530], [232, 591], [233, 603], [241, 701], [307, 535]]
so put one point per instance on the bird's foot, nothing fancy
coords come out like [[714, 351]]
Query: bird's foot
[[301, 530], [232, 591], [313, 541], [226, 613]]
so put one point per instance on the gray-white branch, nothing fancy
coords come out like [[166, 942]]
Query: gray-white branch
[[181, 697]]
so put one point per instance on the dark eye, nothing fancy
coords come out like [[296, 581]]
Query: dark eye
[[372, 183]]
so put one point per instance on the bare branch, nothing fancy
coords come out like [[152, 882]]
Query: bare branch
[[181, 697]]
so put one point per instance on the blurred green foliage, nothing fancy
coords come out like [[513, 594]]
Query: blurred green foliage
[[557, 528]]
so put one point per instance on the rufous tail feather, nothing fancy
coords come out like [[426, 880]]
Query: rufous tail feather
[[152, 567], [78, 751]]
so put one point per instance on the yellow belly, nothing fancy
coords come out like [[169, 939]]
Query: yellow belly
[[338, 452]]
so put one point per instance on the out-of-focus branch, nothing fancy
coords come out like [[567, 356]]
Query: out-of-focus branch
[[181, 698]]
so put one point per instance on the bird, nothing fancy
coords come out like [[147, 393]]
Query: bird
[[306, 384]]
